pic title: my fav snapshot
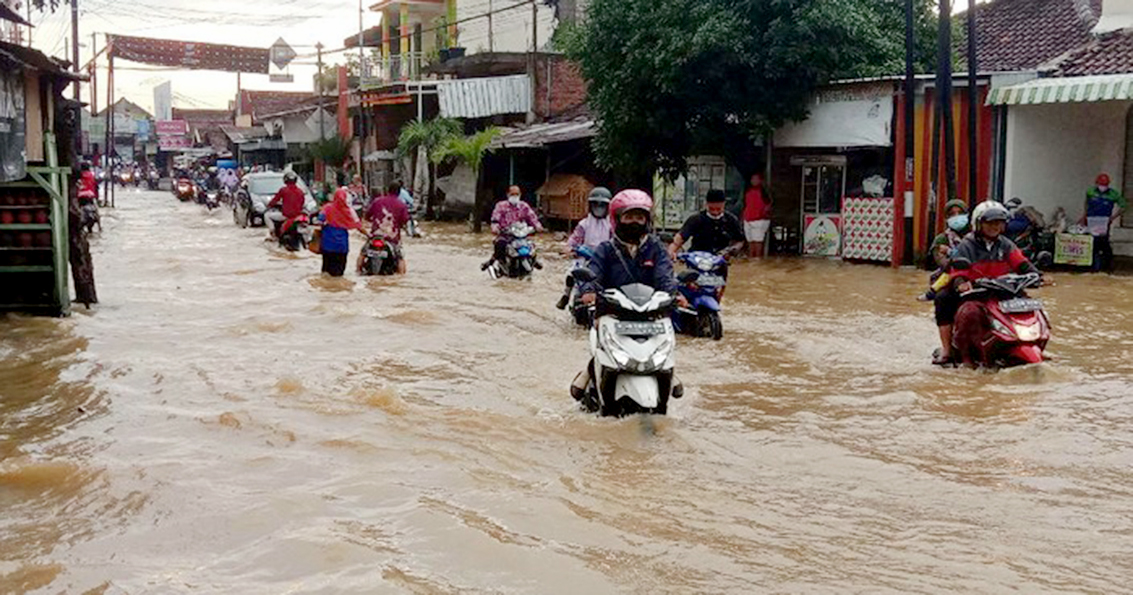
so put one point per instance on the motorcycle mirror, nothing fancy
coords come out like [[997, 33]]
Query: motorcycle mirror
[[1044, 259], [961, 264], [582, 275]]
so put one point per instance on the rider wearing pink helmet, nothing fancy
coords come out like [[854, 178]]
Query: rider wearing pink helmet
[[634, 255]]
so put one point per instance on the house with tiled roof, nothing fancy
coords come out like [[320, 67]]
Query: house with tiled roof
[[1062, 89]]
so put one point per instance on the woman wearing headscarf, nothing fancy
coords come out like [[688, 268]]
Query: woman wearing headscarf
[[338, 219]]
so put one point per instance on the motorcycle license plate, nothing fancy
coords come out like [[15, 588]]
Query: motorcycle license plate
[[1019, 305], [639, 329], [710, 281]]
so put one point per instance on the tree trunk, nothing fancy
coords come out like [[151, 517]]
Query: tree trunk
[[431, 193], [478, 201], [82, 267]]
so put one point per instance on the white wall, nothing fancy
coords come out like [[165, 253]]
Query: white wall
[[511, 28], [1054, 152]]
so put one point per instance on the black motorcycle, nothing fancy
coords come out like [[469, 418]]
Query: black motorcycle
[[380, 256]]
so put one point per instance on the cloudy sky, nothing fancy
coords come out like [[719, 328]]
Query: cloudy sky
[[256, 23]]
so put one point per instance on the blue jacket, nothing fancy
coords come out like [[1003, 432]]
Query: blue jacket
[[613, 267]]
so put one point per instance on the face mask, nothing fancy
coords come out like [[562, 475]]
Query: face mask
[[513, 199], [1103, 189], [717, 217], [631, 233], [599, 212], [957, 222]]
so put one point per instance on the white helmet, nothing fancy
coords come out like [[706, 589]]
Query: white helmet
[[989, 210]]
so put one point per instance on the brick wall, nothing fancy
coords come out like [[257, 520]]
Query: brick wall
[[568, 89]]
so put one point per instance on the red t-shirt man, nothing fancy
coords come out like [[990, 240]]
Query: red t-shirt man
[[292, 197]]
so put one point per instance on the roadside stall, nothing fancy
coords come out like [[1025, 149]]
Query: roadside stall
[[564, 196]]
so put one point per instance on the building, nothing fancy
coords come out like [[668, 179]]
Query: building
[[133, 131]]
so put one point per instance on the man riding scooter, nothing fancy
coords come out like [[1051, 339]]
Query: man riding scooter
[[290, 199], [985, 253], [633, 255], [588, 235], [712, 230], [507, 213]]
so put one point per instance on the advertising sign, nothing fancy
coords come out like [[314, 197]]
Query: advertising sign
[[172, 127], [184, 54], [822, 235], [1074, 250], [173, 143]]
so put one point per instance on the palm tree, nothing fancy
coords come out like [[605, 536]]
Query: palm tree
[[430, 136], [470, 150], [333, 151]]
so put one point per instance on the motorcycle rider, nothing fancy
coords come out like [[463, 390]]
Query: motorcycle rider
[[387, 216], [590, 232], [507, 213], [633, 255], [712, 230], [984, 253], [290, 199]]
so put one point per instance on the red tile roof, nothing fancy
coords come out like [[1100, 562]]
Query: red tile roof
[[1110, 54], [260, 103], [1017, 35]]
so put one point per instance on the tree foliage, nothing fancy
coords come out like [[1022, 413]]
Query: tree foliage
[[470, 150], [430, 136], [670, 78]]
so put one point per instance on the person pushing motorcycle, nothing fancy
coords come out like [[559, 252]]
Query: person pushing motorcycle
[[985, 253]]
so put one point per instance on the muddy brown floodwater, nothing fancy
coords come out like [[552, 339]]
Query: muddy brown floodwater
[[227, 421]]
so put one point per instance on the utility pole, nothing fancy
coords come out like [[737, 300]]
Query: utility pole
[[944, 90], [910, 128], [361, 102], [973, 111], [319, 83], [75, 43], [93, 75], [491, 35], [29, 24], [532, 63]]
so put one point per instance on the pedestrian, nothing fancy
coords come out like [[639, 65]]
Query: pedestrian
[[1104, 205], [338, 219], [757, 216]]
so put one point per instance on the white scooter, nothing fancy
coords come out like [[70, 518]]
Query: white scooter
[[631, 347]]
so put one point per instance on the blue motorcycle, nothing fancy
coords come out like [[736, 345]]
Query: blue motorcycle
[[702, 285], [579, 311]]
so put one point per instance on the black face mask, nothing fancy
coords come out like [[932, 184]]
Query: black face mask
[[631, 233]]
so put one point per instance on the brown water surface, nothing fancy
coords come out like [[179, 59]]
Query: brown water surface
[[228, 421]]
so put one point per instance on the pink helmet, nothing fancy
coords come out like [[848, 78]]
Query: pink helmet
[[630, 200]]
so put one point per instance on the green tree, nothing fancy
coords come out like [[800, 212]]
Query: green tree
[[430, 136], [470, 150], [670, 78], [332, 151]]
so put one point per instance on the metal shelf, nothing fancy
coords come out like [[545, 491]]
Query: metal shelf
[[25, 226], [22, 248], [20, 207]]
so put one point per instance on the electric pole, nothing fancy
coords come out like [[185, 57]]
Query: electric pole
[[75, 43], [973, 111], [319, 83], [910, 128]]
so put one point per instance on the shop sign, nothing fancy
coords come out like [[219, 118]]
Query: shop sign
[[822, 235], [173, 143], [172, 127], [1074, 250]]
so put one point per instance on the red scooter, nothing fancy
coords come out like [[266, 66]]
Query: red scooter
[[998, 325]]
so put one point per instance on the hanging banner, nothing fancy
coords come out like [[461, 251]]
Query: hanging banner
[[13, 126], [193, 56]]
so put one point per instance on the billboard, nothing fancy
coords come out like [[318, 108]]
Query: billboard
[[163, 101], [190, 55]]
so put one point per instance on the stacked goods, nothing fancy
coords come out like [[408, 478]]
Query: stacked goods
[[26, 258]]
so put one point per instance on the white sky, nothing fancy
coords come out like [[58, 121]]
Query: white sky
[[254, 23]]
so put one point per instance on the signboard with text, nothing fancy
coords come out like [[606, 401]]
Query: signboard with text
[[173, 143], [1074, 250], [185, 54], [172, 127]]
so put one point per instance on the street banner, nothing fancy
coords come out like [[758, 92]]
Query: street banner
[[1074, 250], [13, 126], [193, 56], [172, 127]]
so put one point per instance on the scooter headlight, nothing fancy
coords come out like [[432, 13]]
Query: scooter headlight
[[1028, 332], [1001, 328], [610, 340]]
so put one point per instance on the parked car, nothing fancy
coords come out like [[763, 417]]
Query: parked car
[[256, 191]]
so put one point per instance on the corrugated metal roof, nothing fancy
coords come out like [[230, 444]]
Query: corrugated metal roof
[[483, 97], [1078, 89], [541, 135]]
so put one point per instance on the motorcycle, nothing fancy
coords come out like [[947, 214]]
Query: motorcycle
[[294, 234], [88, 212], [579, 311], [520, 258], [211, 199], [380, 256], [702, 285], [184, 190], [1014, 330], [631, 347], [152, 180], [125, 178]]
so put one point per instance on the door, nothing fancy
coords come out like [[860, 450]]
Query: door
[[823, 185]]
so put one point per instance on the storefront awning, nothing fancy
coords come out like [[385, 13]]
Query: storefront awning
[[1077, 89]]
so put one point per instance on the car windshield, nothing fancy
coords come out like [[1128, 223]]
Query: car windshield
[[269, 185]]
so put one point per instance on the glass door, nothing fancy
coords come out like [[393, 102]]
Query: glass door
[[823, 185]]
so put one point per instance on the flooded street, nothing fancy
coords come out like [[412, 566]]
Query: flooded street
[[228, 421]]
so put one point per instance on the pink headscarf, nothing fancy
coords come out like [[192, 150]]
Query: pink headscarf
[[339, 213]]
